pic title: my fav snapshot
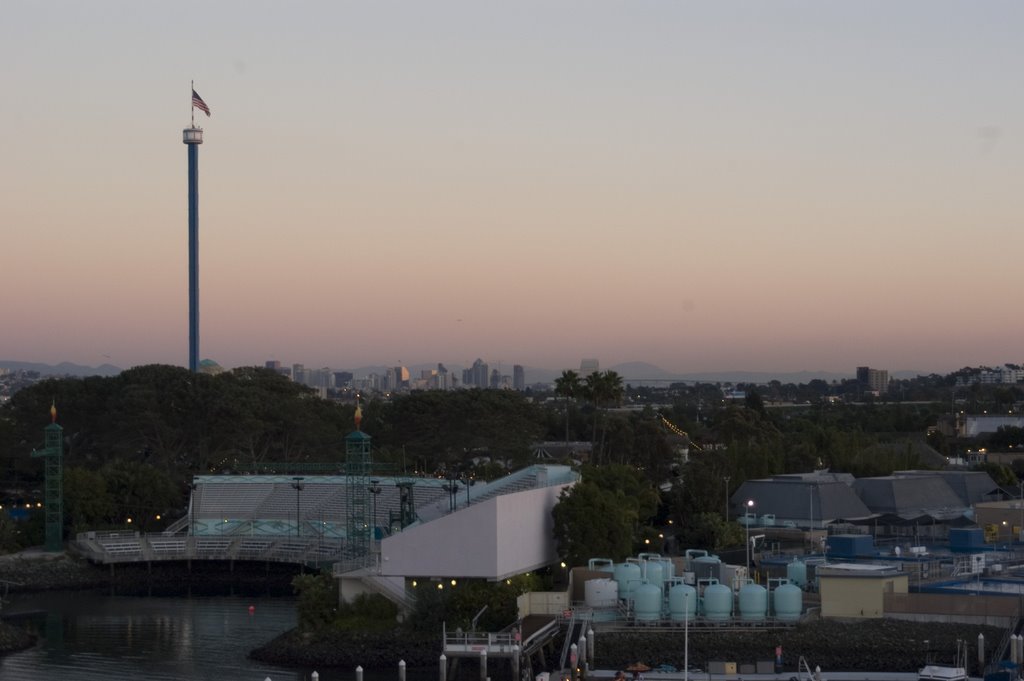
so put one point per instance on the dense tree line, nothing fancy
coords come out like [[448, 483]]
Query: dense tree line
[[132, 442]]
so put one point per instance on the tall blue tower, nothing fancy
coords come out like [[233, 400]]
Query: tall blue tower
[[193, 137]]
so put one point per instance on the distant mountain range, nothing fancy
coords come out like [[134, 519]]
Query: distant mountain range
[[62, 369], [634, 373]]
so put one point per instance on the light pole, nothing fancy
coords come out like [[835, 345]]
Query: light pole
[[297, 484], [375, 490], [750, 505], [686, 636], [810, 521], [727, 498], [1020, 503], [452, 487]]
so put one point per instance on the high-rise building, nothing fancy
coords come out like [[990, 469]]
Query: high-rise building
[[518, 377], [873, 380], [495, 381], [589, 366], [299, 373], [480, 376]]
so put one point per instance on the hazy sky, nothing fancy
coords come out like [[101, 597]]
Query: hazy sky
[[703, 185]]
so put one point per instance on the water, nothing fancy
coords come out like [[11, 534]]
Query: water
[[87, 636]]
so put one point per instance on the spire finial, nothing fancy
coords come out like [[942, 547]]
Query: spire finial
[[359, 415], [53, 411]]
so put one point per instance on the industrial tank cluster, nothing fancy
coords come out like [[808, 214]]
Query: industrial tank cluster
[[706, 591]]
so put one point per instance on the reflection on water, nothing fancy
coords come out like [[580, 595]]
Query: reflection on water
[[86, 636]]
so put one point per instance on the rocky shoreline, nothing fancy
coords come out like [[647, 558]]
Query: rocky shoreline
[[860, 646], [351, 649], [855, 646]]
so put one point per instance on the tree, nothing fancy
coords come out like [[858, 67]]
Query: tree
[[317, 600], [601, 389], [568, 386], [591, 522], [87, 502], [710, 530]]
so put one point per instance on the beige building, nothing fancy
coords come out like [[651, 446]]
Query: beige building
[[1002, 520], [857, 590]]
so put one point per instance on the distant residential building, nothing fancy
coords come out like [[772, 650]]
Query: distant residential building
[[518, 377], [495, 381], [342, 378], [299, 373], [274, 365], [973, 426], [873, 380], [1000, 376], [589, 366]]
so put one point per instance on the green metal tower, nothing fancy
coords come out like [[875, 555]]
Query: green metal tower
[[358, 464], [53, 452]]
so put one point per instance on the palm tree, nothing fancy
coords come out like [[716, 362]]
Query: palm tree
[[568, 386], [600, 389]]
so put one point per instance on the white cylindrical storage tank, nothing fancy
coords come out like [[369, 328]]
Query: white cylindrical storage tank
[[628, 576], [787, 602], [682, 602], [647, 603], [717, 603], [796, 573], [753, 602], [601, 593], [706, 567], [654, 572], [601, 565], [668, 568]]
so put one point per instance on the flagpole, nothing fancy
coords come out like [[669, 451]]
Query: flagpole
[[193, 107]]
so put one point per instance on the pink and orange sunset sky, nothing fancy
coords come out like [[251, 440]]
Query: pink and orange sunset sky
[[706, 186]]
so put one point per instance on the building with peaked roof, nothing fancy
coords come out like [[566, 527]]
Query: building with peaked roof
[[970, 486], [809, 500], [911, 496]]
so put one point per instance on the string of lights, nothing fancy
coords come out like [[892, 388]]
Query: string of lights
[[678, 431]]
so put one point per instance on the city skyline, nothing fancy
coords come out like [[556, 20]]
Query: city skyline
[[702, 186]]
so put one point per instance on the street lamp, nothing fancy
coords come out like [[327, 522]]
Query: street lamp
[[375, 489], [468, 482], [750, 505], [452, 487], [727, 498], [686, 636], [1020, 503], [298, 485]]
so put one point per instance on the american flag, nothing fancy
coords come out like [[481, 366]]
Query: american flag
[[198, 103]]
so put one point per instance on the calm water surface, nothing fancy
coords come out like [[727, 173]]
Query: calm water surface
[[86, 636]]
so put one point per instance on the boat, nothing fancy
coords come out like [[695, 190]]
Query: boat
[[941, 672]]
